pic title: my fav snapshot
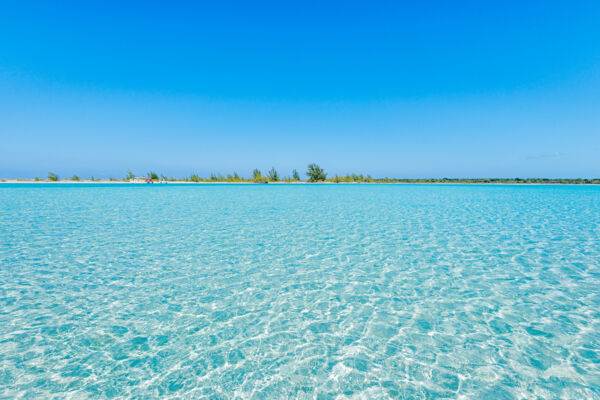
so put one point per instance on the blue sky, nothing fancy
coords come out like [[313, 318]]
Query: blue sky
[[400, 89]]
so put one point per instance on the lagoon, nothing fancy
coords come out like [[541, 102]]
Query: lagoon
[[299, 291]]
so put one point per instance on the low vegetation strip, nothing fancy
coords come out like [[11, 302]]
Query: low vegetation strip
[[315, 174]]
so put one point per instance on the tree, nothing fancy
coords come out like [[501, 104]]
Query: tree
[[315, 173], [153, 175], [129, 176], [273, 175], [75, 178], [295, 175], [52, 177], [256, 175]]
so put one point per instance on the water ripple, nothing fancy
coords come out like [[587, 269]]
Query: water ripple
[[337, 291]]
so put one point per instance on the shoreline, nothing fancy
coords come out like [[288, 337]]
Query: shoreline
[[66, 181]]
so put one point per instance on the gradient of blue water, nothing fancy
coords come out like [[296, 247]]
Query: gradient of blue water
[[299, 291]]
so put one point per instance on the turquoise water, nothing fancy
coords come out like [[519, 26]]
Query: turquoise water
[[299, 291]]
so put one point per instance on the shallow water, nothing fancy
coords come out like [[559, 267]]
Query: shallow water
[[299, 291]]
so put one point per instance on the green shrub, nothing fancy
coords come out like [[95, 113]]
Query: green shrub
[[273, 175], [315, 173], [256, 175], [295, 175], [195, 178]]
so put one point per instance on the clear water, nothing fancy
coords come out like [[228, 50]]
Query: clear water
[[298, 291]]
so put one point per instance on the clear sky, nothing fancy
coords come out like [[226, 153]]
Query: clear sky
[[399, 89]]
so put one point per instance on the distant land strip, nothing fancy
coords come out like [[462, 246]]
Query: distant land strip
[[314, 174]]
